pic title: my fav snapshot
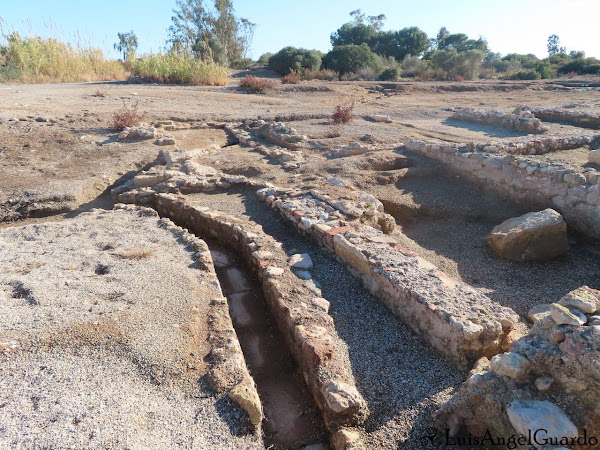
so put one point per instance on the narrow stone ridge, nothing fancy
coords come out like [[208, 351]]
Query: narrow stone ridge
[[455, 319]]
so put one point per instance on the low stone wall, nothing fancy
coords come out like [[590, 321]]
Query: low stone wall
[[577, 118], [556, 364], [523, 121], [456, 320], [571, 190], [301, 315]]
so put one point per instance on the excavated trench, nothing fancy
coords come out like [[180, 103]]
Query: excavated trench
[[292, 419], [402, 379], [446, 218]]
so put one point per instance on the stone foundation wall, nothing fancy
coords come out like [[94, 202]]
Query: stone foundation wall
[[524, 121], [456, 320], [571, 190], [577, 118]]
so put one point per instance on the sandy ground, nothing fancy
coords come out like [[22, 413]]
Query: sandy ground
[[103, 339]]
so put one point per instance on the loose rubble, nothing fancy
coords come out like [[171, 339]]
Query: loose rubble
[[548, 381]]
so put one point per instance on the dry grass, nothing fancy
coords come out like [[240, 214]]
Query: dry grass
[[180, 69], [136, 253], [38, 60], [292, 78]]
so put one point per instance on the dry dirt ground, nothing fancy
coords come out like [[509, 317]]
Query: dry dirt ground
[[59, 156]]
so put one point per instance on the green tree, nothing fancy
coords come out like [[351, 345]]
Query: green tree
[[399, 44], [212, 34], [554, 47], [352, 34], [439, 42], [453, 63], [360, 30], [352, 58], [128, 44]]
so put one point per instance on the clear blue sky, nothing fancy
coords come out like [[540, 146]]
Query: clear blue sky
[[520, 26]]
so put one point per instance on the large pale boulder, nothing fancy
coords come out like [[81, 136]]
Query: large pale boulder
[[544, 418], [536, 236]]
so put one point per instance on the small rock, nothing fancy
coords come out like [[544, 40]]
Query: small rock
[[166, 140], [567, 316], [337, 182], [321, 303], [511, 364], [526, 415], [534, 236], [543, 383], [572, 345], [538, 312], [594, 321], [380, 118], [246, 396], [341, 397], [345, 438], [303, 274], [273, 271], [301, 261], [594, 157]]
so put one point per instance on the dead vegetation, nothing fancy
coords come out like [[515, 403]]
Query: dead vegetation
[[136, 253], [127, 117]]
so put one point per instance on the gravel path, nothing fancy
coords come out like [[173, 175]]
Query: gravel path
[[401, 378]]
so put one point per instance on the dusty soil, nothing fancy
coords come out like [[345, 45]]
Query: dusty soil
[[58, 157]]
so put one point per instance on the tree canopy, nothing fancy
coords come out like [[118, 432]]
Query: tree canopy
[[210, 33]]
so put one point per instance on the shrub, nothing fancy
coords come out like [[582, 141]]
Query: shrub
[[352, 58], [126, 117], [580, 66], [9, 72], [414, 67], [257, 85], [486, 73], [297, 59], [173, 67], [391, 74], [526, 75], [343, 114], [366, 74], [545, 69]]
